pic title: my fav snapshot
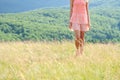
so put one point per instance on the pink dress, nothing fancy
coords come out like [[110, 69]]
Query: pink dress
[[79, 17]]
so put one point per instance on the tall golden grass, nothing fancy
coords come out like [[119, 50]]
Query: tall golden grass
[[56, 61]]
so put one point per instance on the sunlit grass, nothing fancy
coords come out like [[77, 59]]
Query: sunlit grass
[[56, 61]]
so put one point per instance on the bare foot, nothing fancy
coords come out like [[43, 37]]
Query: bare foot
[[81, 50], [77, 52]]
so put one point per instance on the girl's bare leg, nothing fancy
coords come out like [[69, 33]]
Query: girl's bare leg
[[77, 43], [82, 35]]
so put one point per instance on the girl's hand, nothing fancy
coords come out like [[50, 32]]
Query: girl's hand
[[70, 26]]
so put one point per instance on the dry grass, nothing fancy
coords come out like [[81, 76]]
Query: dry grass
[[56, 61]]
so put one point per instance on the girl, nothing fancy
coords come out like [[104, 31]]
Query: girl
[[79, 22]]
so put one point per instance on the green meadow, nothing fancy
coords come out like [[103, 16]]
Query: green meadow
[[56, 61]]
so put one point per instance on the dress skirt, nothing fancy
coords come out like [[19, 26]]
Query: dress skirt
[[79, 17]]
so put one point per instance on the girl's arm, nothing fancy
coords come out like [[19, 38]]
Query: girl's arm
[[87, 7], [71, 6], [71, 9]]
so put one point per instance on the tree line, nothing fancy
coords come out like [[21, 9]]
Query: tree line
[[52, 24]]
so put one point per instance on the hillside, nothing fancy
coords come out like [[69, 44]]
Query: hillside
[[52, 24]]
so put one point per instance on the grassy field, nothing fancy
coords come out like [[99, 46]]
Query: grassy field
[[56, 61]]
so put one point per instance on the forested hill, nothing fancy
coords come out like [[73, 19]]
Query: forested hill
[[52, 24], [10, 6]]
